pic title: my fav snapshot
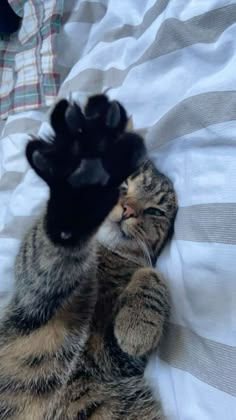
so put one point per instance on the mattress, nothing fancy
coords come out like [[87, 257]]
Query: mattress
[[172, 64]]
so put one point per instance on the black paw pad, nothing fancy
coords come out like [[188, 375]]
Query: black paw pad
[[75, 119], [58, 122], [111, 114], [90, 172], [36, 153], [89, 147]]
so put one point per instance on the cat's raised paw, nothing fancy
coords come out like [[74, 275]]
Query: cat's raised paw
[[84, 162], [89, 147]]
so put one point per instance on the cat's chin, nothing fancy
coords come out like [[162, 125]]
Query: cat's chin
[[111, 234]]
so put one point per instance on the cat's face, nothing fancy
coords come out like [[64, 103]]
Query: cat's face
[[143, 217]]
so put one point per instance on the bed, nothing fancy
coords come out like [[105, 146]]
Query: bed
[[172, 64]]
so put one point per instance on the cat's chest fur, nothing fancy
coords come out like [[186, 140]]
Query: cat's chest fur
[[113, 274]]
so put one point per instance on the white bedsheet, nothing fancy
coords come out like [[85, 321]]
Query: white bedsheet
[[172, 64]]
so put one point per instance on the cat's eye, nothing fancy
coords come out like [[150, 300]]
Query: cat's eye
[[153, 211]]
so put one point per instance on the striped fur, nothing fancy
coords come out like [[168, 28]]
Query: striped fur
[[83, 318]]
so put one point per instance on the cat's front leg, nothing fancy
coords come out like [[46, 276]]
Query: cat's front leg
[[84, 164], [46, 322], [142, 311]]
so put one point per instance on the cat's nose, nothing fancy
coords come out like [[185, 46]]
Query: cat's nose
[[128, 211]]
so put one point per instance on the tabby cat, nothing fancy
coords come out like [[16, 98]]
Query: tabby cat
[[88, 308]]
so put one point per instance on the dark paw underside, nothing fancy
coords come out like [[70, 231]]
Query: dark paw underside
[[89, 147], [86, 159]]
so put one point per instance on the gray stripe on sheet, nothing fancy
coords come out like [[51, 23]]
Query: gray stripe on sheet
[[136, 31], [200, 223], [175, 34], [10, 180], [207, 223], [22, 125], [88, 12], [192, 114], [172, 36], [211, 362], [18, 228]]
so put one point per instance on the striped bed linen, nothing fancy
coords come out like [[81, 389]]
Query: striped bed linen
[[172, 63]]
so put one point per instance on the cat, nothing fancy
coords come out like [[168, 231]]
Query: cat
[[88, 308]]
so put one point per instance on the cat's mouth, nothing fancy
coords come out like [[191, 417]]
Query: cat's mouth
[[120, 224]]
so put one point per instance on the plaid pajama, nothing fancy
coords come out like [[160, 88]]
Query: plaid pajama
[[28, 74]]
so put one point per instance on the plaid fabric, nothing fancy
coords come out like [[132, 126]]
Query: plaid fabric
[[28, 76]]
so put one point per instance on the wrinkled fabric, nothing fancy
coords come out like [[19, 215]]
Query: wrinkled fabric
[[172, 64]]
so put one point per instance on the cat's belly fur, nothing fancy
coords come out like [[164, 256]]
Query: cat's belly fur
[[104, 375], [106, 378]]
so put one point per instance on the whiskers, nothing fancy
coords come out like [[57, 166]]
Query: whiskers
[[140, 238], [145, 250], [127, 238]]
